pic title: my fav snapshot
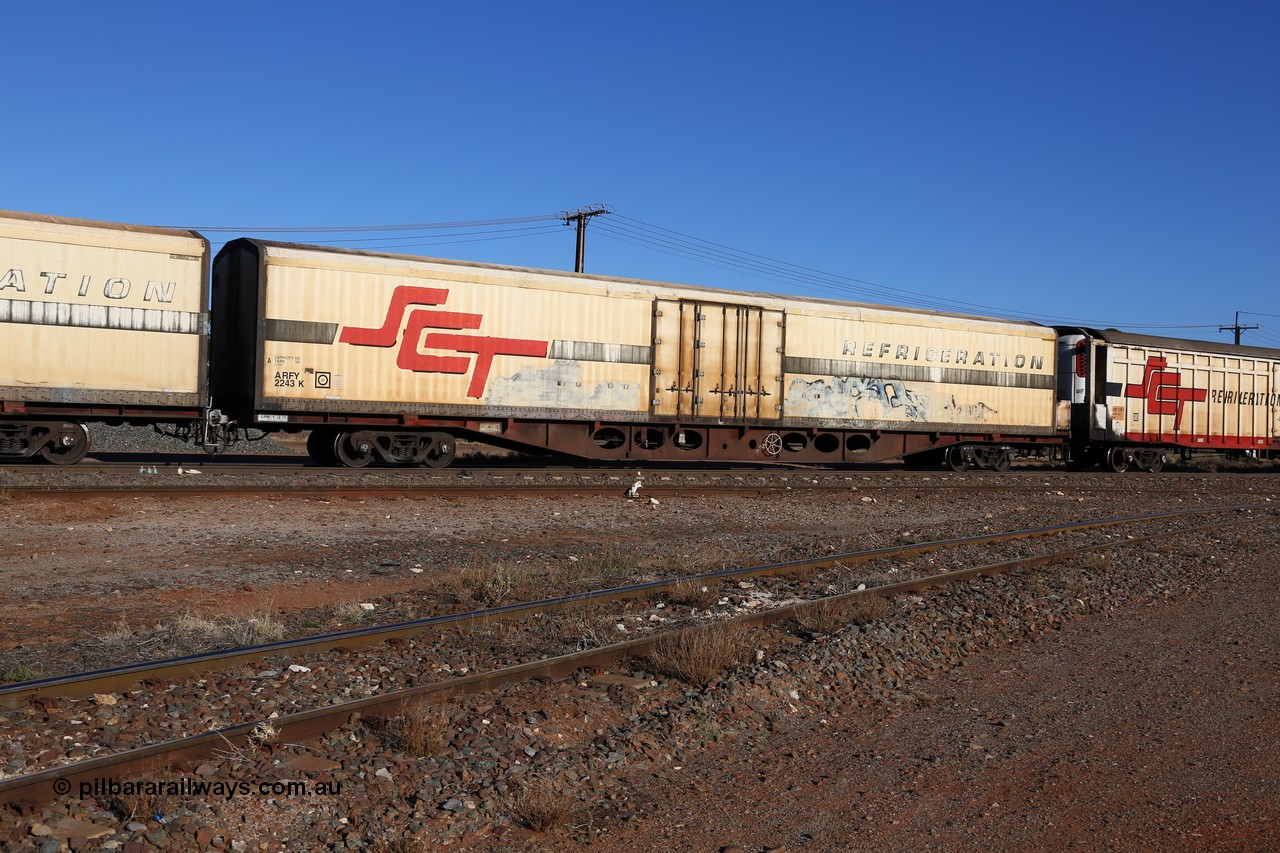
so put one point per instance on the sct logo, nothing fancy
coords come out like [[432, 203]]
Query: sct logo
[[410, 358], [1163, 390]]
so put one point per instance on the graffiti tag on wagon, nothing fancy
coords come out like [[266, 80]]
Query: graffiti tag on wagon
[[439, 351], [887, 351]]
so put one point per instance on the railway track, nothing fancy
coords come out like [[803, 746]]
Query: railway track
[[308, 723], [325, 483]]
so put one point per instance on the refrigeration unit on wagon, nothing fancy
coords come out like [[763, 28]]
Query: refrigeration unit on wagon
[[393, 357], [1136, 396], [98, 322]]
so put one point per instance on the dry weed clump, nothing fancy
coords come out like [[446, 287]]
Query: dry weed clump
[[190, 633], [607, 565], [18, 672], [354, 613], [488, 584], [829, 616], [581, 625], [700, 655], [692, 592], [424, 730], [540, 807], [142, 803], [883, 577], [187, 634]]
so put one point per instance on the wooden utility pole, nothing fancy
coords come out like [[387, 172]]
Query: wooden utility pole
[[1237, 328], [580, 217]]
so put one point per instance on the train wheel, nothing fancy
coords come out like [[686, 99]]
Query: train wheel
[[443, 448], [1118, 460], [1005, 461], [320, 447], [351, 451], [1152, 461], [956, 458], [70, 447]]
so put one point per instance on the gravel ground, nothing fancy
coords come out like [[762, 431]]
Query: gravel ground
[[1120, 702]]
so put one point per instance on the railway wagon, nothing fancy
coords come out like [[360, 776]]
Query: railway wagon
[[1134, 397], [98, 322], [393, 357]]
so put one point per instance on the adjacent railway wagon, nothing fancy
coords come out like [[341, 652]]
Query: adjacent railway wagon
[[97, 321], [1135, 396], [391, 357]]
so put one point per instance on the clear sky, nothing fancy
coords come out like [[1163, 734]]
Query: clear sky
[[1116, 163]]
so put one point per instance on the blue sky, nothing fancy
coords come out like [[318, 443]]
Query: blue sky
[[1116, 163]]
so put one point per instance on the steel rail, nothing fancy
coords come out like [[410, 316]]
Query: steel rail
[[44, 785], [444, 490], [119, 678]]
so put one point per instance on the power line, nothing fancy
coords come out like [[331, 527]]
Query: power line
[[346, 229], [667, 241], [655, 238], [415, 239]]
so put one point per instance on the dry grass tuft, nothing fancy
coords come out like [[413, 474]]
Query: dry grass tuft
[[540, 807], [139, 803], [18, 672], [700, 655], [601, 568], [829, 616], [870, 609], [354, 614], [484, 583], [261, 735], [694, 593], [582, 625], [424, 730], [882, 577], [196, 633], [187, 634]]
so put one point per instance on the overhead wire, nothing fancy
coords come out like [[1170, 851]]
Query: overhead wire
[[344, 229], [667, 241], [762, 266]]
